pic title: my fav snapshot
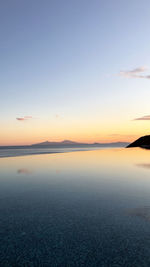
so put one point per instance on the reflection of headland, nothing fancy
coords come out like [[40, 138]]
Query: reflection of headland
[[143, 212], [144, 165], [24, 171], [58, 171]]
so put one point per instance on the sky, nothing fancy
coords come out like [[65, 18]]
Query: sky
[[74, 69]]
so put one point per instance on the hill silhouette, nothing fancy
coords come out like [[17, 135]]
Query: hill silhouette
[[143, 142], [68, 143], [62, 143]]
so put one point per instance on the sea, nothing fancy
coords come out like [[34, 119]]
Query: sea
[[83, 208]]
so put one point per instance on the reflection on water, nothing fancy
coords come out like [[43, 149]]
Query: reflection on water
[[88, 208], [144, 165], [142, 212], [24, 171], [58, 171]]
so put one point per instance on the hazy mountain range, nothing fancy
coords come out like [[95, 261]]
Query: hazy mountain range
[[67, 143]]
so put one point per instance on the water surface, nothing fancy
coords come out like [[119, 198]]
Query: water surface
[[83, 208]]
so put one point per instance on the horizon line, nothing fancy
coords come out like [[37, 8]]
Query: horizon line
[[63, 142]]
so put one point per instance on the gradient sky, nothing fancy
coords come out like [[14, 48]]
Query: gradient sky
[[75, 70]]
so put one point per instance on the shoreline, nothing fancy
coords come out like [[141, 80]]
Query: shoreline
[[9, 153]]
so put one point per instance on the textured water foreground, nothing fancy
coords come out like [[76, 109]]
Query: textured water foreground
[[89, 208]]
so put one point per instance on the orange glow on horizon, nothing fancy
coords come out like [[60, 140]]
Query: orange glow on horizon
[[29, 141], [21, 133]]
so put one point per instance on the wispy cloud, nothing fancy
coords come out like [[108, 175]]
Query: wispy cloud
[[25, 118], [143, 118], [135, 73], [58, 117], [121, 135]]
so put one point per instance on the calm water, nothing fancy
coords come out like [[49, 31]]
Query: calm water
[[87, 208]]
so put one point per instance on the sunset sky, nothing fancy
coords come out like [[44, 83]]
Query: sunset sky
[[74, 69]]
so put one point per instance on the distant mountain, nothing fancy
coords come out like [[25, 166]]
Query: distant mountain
[[143, 141], [68, 143], [49, 144]]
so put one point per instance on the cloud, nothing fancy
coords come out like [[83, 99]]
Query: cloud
[[25, 118], [121, 135], [144, 118], [135, 73], [58, 117]]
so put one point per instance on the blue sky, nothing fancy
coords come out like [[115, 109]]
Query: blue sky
[[60, 64]]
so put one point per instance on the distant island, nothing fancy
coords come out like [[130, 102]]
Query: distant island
[[66, 144], [143, 142]]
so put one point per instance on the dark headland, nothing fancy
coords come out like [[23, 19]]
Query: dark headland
[[143, 142]]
